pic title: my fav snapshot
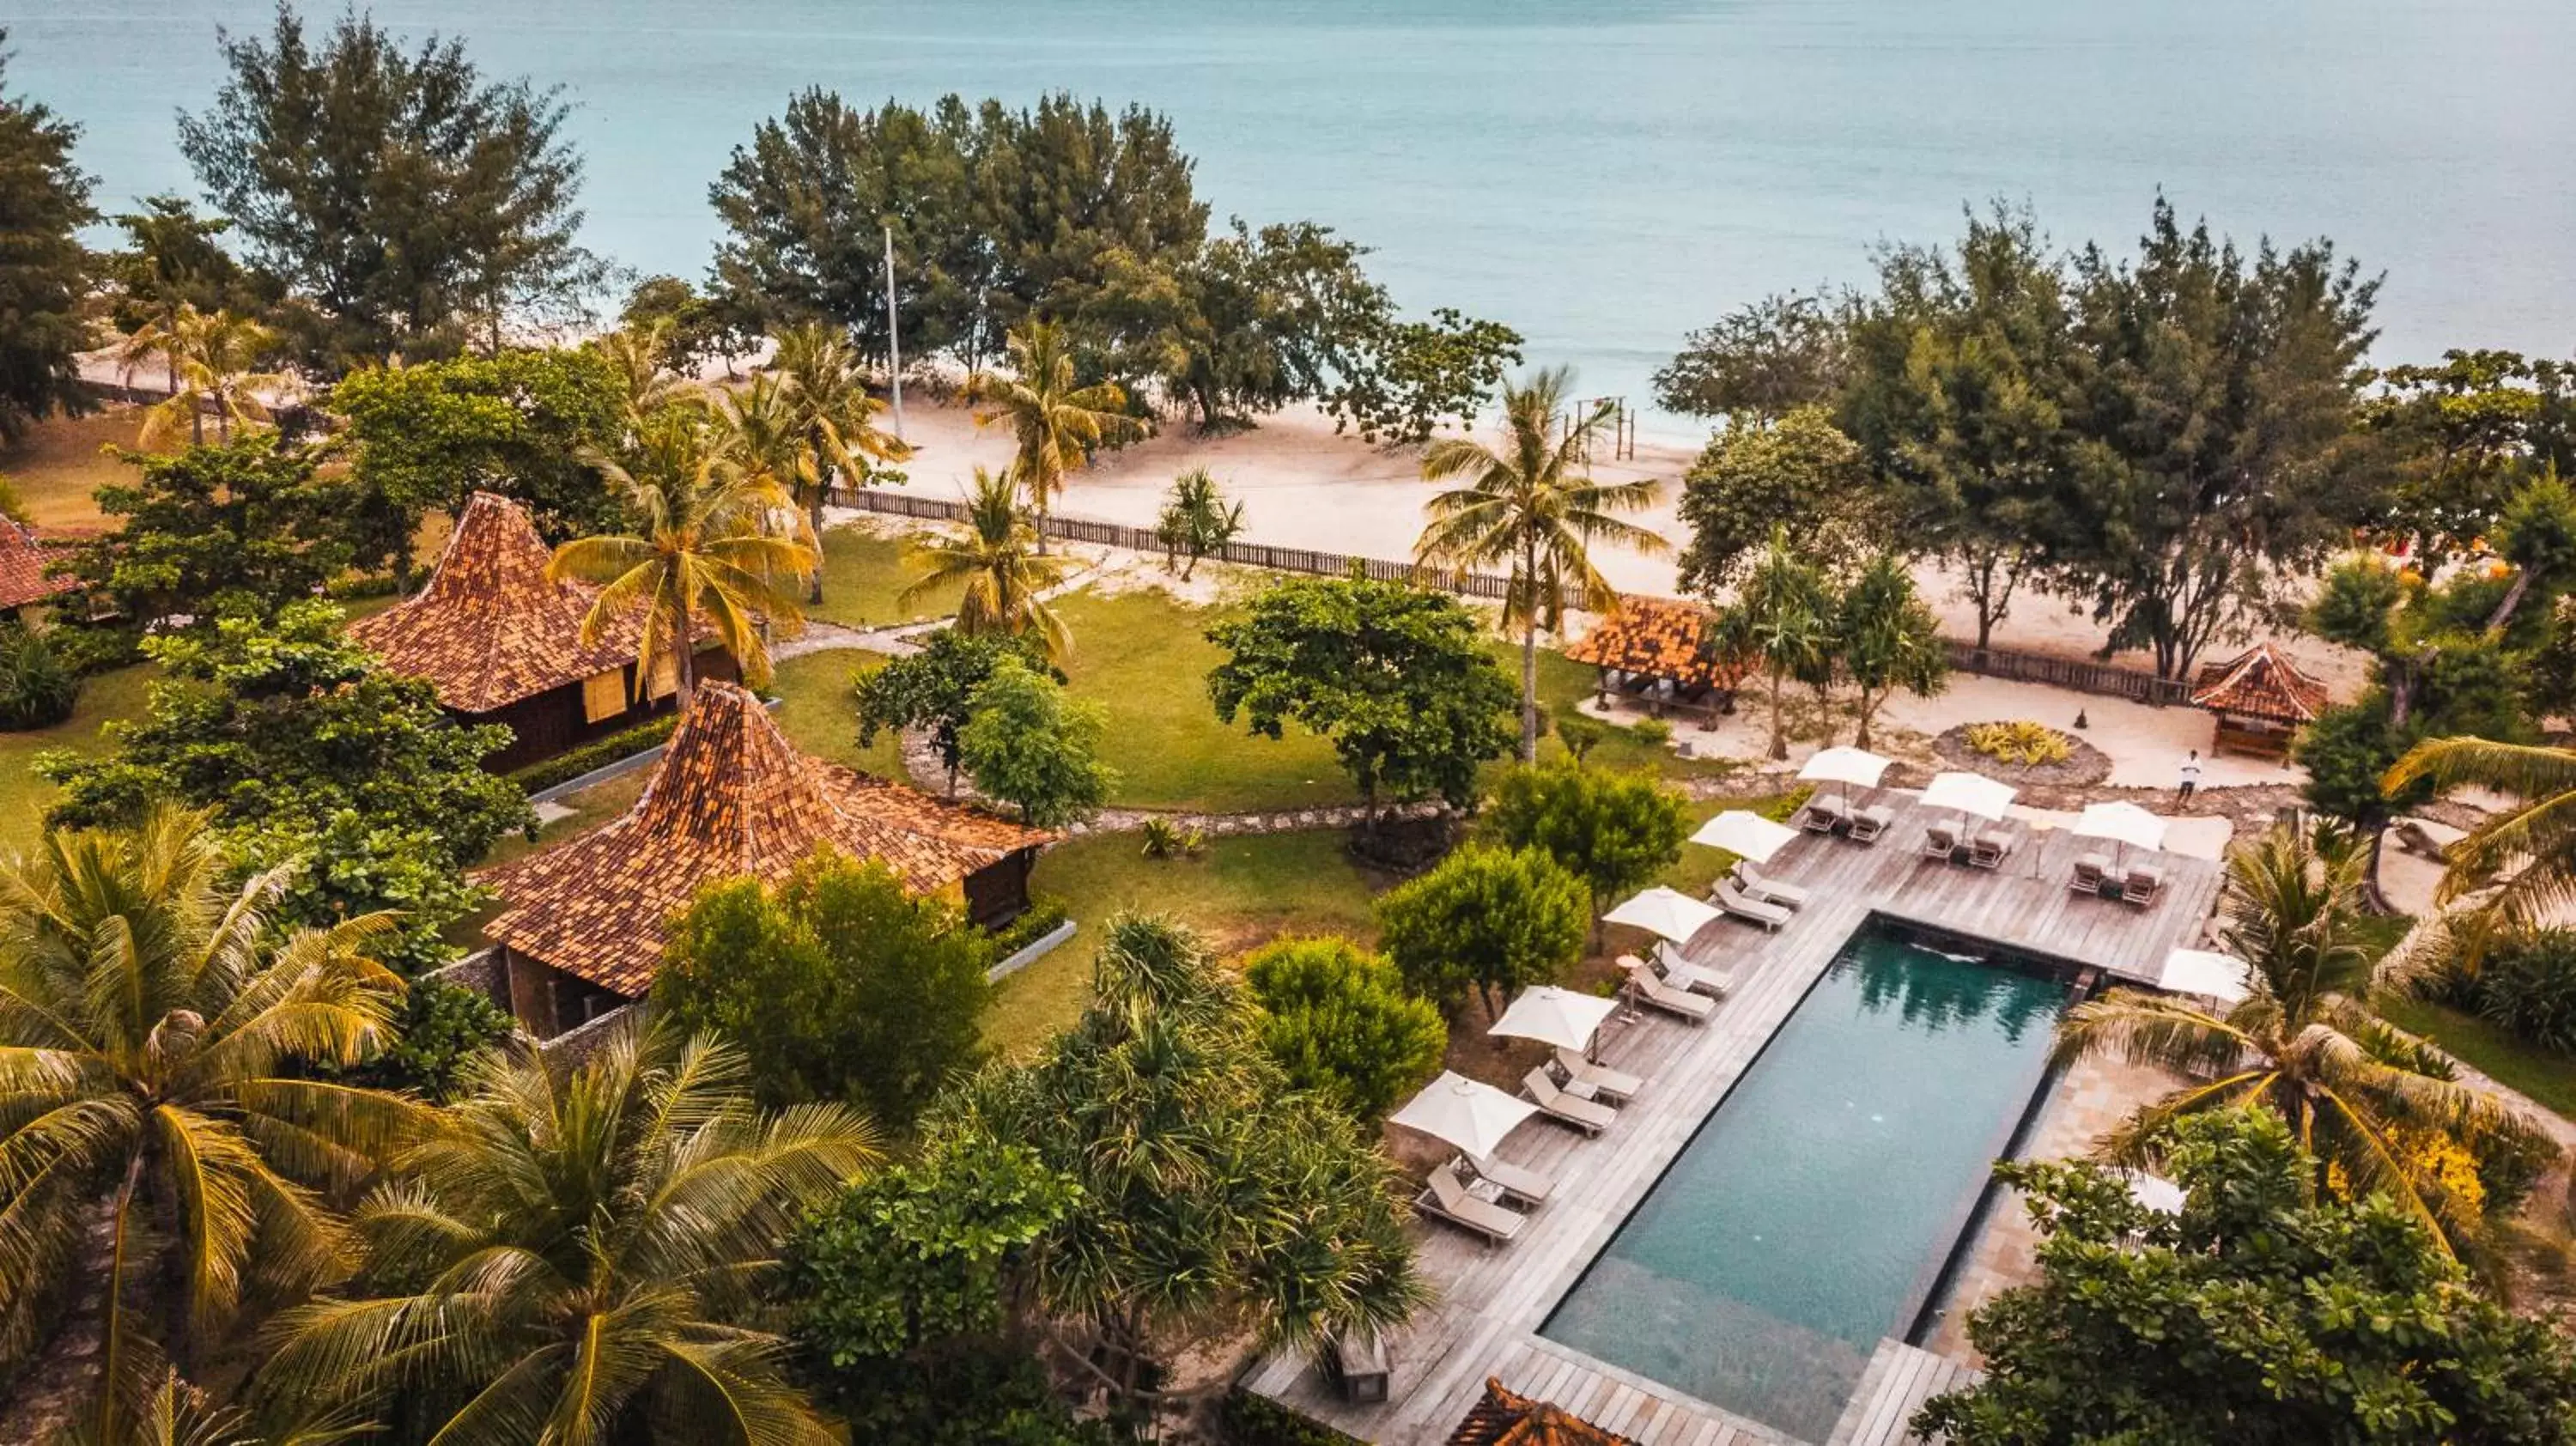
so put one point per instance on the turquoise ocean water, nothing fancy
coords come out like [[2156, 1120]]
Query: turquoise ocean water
[[1602, 174]]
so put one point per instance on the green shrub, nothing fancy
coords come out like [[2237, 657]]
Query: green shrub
[[1338, 1020], [2527, 985], [598, 753], [1657, 731], [2020, 742], [1488, 918], [1165, 839], [442, 1026], [91, 649], [1249, 1420], [37, 689], [1045, 912]]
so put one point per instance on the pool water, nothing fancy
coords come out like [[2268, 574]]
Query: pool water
[[1809, 1216]]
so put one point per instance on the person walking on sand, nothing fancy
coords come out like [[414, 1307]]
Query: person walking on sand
[[2190, 779]]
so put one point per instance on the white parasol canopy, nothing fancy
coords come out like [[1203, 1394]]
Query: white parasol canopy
[[2205, 973], [2157, 1193], [1969, 793], [1472, 1116], [1555, 1016], [1856, 766], [1750, 834], [1660, 910], [2123, 823]]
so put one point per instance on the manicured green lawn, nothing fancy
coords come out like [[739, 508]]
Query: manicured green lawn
[[1143, 657], [23, 796], [1563, 684], [59, 463], [1239, 892], [862, 577], [2545, 1075], [816, 711]]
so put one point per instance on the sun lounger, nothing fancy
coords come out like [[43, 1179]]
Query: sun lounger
[[1818, 816], [1589, 1116], [1519, 1184], [1987, 850], [1648, 989], [1731, 899], [2088, 875], [1447, 1198], [1870, 822], [1940, 840], [1616, 1086], [2141, 885], [1680, 973], [1769, 891]]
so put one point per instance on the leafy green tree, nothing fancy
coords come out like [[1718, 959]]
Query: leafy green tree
[[838, 984], [440, 1030], [2460, 436], [162, 1152], [1396, 676], [2262, 1314], [702, 553], [1614, 831], [932, 689], [690, 329], [1759, 362], [2352, 1088], [416, 205], [1962, 367], [1340, 1024], [430, 435], [1251, 322], [1028, 744], [1493, 919], [1056, 421], [583, 1255], [1533, 507], [44, 203], [1885, 638], [1799, 472], [1205, 1182], [1001, 571], [1783, 616], [1196, 520], [1421, 375], [239, 529], [2214, 399], [2347, 750], [304, 747], [174, 258]]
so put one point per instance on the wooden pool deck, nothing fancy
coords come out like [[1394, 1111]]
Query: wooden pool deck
[[1492, 1301]]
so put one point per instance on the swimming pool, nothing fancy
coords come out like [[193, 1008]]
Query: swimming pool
[[1811, 1214]]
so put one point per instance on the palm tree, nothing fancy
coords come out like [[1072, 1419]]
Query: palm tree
[[1004, 576], [707, 551], [157, 1118], [211, 356], [1196, 520], [836, 418], [1534, 507], [636, 354], [582, 1259], [1056, 423], [2349, 1084], [2536, 839], [1783, 614], [1888, 639]]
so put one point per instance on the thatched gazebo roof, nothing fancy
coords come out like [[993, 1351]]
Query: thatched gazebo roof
[[1658, 638], [2260, 683]]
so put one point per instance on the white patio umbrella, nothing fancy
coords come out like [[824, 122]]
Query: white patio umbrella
[[1555, 1016], [2124, 824], [2156, 1193], [1856, 766], [2206, 973], [1463, 1112], [1659, 910], [1969, 793], [1749, 834]]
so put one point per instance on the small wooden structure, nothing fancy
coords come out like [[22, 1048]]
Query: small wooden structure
[[501, 642], [23, 582], [583, 923], [1655, 651], [2262, 700], [1506, 1418]]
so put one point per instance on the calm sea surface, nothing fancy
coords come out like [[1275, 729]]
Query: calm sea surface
[[1602, 174]]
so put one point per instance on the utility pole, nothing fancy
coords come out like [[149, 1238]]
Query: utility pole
[[894, 343]]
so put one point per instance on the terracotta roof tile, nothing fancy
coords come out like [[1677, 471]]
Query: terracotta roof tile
[[731, 797], [1660, 638], [489, 629], [2260, 683], [22, 567], [1505, 1419]]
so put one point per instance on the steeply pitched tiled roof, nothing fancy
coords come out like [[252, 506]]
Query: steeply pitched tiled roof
[[1660, 638], [1505, 1419], [731, 797], [2260, 683], [489, 629], [22, 567]]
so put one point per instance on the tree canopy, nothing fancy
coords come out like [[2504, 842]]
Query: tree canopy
[[1491, 919], [1029, 744], [44, 201], [1341, 1024], [932, 689], [242, 528], [1801, 472], [1614, 831]]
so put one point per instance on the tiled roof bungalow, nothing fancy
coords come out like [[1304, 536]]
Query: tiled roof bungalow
[[1654, 650], [22, 569], [583, 923], [502, 644], [2261, 698]]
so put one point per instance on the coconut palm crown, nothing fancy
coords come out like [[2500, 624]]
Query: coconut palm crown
[[212, 360], [1056, 423], [997, 563], [581, 1259], [837, 436], [157, 1121], [2527, 853], [1531, 505]]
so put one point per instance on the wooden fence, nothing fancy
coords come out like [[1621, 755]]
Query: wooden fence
[[2081, 677]]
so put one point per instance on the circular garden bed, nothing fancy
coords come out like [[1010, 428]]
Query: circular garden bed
[[2083, 766]]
